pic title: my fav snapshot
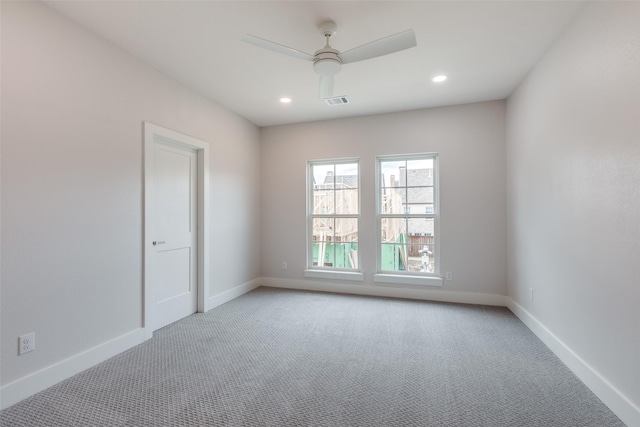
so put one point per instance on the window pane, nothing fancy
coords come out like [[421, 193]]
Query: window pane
[[323, 251], [322, 229], [323, 202], [346, 230], [402, 257], [414, 257], [407, 244], [393, 257], [390, 173], [420, 256], [422, 244], [419, 172], [420, 226], [323, 237], [419, 196], [347, 202], [427, 254], [394, 230], [335, 242], [392, 201], [322, 176], [346, 255], [346, 175], [345, 247]]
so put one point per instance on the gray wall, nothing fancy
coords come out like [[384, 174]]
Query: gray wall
[[470, 141], [72, 173], [573, 163]]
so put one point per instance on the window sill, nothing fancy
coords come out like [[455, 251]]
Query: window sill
[[400, 279], [335, 275]]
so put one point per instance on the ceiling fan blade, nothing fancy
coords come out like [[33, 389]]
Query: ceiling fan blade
[[325, 89], [267, 44], [383, 46]]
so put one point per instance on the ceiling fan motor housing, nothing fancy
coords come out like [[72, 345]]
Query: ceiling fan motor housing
[[327, 61]]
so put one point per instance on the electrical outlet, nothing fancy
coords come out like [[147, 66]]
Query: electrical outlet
[[26, 343], [284, 265], [531, 293], [448, 275]]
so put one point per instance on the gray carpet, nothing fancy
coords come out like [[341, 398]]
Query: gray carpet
[[292, 358]]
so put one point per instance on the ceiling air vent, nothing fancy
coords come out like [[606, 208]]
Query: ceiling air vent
[[337, 100]]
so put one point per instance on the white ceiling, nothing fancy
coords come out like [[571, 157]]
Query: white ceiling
[[486, 49]]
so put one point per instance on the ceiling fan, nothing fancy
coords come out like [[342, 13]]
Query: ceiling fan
[[328, 61]]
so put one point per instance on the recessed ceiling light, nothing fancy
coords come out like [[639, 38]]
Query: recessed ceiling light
[[285, 100], [440, 78]]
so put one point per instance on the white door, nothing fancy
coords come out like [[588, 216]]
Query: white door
[[174, 223]]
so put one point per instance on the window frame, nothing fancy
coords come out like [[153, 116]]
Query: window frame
[[331, 272], [408, 277]]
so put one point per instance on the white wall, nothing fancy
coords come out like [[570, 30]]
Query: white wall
[[73, 108], [574, 199], [470, 140]]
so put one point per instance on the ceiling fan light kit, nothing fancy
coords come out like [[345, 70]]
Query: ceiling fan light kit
[[327, 61]]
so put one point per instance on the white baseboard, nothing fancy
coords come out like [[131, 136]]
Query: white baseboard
[[386, 290], [37, 381], [232, 293], [619, 404]]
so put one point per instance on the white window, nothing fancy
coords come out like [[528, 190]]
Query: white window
[[333, 216], [407, 219]]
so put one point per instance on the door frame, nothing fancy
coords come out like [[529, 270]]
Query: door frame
[[153, 133]]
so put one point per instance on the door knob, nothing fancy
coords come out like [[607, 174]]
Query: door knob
[[160, 242]]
